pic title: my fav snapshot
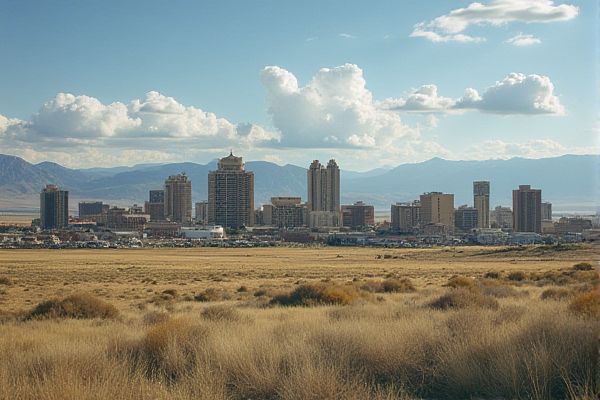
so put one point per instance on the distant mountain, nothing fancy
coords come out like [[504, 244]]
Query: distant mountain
[[569, 182]]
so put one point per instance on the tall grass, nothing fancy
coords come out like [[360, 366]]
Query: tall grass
[[399, 349]]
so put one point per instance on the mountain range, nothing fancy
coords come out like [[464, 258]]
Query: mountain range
[[569, 182]]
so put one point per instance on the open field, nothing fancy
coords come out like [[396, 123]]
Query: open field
[[209, 323]]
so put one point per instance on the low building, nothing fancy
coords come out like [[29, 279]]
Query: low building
[[466, 218], [285, 212], [358, 215], [572, 225], [501, 217], [215, 232]]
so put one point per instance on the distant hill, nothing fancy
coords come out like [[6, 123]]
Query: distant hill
[[569, 182]]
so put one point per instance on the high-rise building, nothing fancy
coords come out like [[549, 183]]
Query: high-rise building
[[323, 194], [231, 194], [437, 208], [54, 208], [481, 201], [90, 209], [546, 211], [155, 207], [178, 198], [466, 218], [285, 212], [406, 217], [501, 217], [358, 215], [202, 212], [157, 196], [527, 209]]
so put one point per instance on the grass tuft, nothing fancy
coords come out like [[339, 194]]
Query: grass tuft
[[586, 304], [318, 294], [78, 306], [463, 298]]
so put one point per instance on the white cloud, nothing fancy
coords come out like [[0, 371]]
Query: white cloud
[[515, 94], [540, 148], [335, 109], [522, 40], [347, 36], [450, 27]]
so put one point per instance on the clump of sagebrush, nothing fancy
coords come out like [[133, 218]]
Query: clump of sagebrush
[[155, 317], [460, 282], [318, 294], [586, 304], [583, 266], [79, 306], [5, 280], [556, 294], [390, 285], [463, 298], [221, 313], [212, 294], [517, 276], [492, 275]]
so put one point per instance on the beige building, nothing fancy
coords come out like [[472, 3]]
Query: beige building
[[406, 217], [201, 212], [231, 194], [527, 209], [501, 217], [358, 215], [324, 194], [285, 212], [178, 199], [437, 208], [481, 201]]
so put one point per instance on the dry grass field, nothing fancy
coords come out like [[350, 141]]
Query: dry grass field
[[299, 323]]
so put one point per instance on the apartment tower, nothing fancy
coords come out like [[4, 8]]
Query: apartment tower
[[437, 208], [54, 208], [178, 199], [324, 194], [481, 201], [231, 194], [527, 209]]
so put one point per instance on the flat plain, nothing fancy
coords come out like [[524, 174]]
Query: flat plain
[[300, 323]]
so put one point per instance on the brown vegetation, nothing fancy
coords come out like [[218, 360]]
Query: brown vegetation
[[318, 294], [586, 304], [79, 306]]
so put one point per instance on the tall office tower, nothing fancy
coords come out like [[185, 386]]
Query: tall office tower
[[54, 208], [358, 215], [437, 208], [481, 201], [178, 199], [88, 209], [202, 212], [546, 211], [466, 218], [231, 194], [324, 194], [155, 207], [527, 209], [406, 216], [157, 196]]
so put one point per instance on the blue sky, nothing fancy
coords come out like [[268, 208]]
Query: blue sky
[[197, 73]]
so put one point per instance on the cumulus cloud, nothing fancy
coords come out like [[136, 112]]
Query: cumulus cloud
[[334, 109], [522, 40], [450, 27], [515, 94]]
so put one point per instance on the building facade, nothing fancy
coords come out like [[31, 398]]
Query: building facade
[[54, 208], [466, 218], [285, 212], [231, 194], [481, 201], [437, 208], [546, 211], [358, 215], [178, 199], [527, 209], [406, 217], [502, 217], [90, 209], [201, 212], [323, 184]]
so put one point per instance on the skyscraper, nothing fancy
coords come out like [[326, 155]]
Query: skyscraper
[[546, 211], [54, 208], [324, 194], [527, 209], [466, 218], [202, 212], [178, 198], [406, 216], [155, 207], [231, 194], [481, 201], [157, 196], [437, 208]]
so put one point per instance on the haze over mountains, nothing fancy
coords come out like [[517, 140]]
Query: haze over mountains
[[569, 182]]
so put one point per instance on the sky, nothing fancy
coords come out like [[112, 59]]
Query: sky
[[371, 84]]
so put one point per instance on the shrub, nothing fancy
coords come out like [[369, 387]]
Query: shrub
[[492, 275], [211, 294], [260, 293], [586, 304], [5, 280], [170, 292], [312, 295], [242, 289], [499, 290], [460, 282], [403, 285], [556, 294], [221, 313], [583, 266], [463, 298], [155, 317], [516, 276], [79, 306]]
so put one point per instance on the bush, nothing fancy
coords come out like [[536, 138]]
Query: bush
[[155, 317], [463, 298], [583, 266], [460, 282], [516, 276], [5, 280], [312, 295], [170, 292], [556, 294], [212, 294], [492, 275], [586, 304], [79, 306], [403, 285], [242, 289], [221, 313]]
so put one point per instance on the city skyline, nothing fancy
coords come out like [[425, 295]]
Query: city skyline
[[347, 90]]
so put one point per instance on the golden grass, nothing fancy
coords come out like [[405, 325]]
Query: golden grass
[[445, 328]]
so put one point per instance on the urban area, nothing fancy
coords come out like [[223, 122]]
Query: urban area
[[228, 218]]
